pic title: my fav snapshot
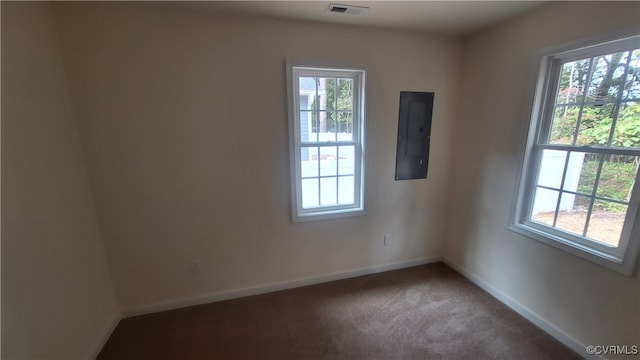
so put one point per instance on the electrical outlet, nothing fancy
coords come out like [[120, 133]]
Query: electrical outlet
[[387, 239], [194, 267]]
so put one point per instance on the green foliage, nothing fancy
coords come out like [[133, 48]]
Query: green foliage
[[338, 103], [616, 179], [595, 125], [598, 83], [628, 127]]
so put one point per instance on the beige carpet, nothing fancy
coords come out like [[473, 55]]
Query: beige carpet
[[424, 312]]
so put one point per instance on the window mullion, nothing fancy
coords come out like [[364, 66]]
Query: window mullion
[[585, 195], [592, 198], [331, 143], [318, 163], [590, 103], [337, 173], [616, 110], [590, 149], [335, 106], [584, 98], [564, 177], [317, 109]]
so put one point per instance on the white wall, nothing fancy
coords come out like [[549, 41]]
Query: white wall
[[58, 301], [590, 303], [184, 123]]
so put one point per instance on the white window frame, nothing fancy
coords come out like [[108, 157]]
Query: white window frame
[[621, 258], [294, 72]]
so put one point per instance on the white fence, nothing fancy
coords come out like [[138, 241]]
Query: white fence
[[551, 175]]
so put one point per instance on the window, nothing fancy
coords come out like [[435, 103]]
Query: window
[[326, 123], [580, 186]]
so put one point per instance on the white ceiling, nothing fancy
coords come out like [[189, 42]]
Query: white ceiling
[[454, 17]]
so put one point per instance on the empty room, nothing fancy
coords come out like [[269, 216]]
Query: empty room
[[318, 180]]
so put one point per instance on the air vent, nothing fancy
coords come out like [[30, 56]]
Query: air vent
[[346, 9]]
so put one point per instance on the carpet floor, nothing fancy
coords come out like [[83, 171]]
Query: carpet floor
[[423, 312]]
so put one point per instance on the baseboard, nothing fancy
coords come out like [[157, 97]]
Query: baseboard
[[536, 319], [276, 286], [103, 339]]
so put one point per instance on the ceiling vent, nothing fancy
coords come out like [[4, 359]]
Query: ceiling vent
[[346, 9]]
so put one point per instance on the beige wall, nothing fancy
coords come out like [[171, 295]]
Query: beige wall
[[184, 124], [181, 114], [58, 301], [592, 304]]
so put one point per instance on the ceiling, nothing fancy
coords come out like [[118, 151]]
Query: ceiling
[[452, 17]]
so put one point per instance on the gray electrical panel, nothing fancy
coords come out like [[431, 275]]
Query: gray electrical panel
[[414, 135]]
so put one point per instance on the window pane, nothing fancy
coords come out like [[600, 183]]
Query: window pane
[[328, 163], [307, 103], [346, 194], [309, 193], [308, 124], [572, 81], [572, 213], [345, 94], [617, 178], [607, 77], [328, 191], [632, 83], [309, 161], [307, 85], [345, 126], [565, 121], [595, 124], [544, 206], [588, 173], [346, 160], [552, 168], [327, 93], [607, 220], [327, 126], [627, 132], [574, 170]]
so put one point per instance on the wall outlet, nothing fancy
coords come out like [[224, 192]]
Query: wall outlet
[[194, 267], [387, 239]]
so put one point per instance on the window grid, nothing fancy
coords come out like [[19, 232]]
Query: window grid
[[593, 197], [584, 102], [619, 101], [582, 129], [337, 114], [337, 176]]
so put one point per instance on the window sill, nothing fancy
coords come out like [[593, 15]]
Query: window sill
[[623, 266], [326, 215]]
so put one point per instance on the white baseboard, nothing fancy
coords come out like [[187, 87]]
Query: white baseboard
[[536, 319], [276, 286], [103, 339]]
